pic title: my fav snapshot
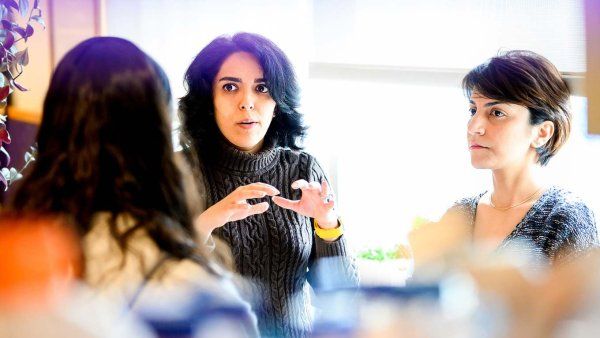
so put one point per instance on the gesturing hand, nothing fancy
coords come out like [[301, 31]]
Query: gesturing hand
[[316, 202], [235, 206]]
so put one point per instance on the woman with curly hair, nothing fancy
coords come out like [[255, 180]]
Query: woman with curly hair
[[106, 164], [240, 114]]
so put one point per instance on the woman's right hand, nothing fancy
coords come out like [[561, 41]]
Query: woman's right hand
[[235, 207]]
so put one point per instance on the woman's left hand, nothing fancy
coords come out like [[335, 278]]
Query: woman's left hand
[[316, 202]]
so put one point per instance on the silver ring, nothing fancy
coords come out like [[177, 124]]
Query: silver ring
[[328, 198]]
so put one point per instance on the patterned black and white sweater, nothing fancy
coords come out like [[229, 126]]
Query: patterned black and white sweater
[[558, 225], [278, 250]]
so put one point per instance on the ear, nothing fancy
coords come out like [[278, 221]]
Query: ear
[[543, 133]]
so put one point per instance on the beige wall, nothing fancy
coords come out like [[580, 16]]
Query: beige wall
[[68, 22], [592, 16]]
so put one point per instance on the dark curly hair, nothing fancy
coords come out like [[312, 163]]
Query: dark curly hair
[[196, 108], [530, 80], [104, 144]]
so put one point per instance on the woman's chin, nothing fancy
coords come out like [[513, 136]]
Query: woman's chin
[[478, 164]]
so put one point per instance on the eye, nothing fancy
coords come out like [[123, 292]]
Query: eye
[[229, 87], [262, 88], [497, 113], [472, 111]]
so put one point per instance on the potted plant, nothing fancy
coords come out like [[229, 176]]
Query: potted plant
[[17, 23], [388, 265]]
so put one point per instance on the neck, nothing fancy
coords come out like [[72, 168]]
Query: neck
[[236, 160], [512, 185]]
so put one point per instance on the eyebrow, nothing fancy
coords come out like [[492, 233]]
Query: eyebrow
[[237, 79], [489, 104]]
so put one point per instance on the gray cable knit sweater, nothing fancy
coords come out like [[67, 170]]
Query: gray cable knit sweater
[[557, 225], [278, 250]]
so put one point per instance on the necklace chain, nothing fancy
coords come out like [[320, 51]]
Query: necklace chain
[[529, 198]]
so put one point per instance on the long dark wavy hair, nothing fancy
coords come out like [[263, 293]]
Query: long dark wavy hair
[[196, 108], [104, 144]]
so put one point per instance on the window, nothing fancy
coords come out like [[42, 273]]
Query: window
[[381, 88]]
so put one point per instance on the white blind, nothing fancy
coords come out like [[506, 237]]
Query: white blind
[[174, 31], [455, 34]]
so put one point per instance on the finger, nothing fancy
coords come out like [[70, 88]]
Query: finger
[[268, 189], [314, 186], [330, 205], [300, 184], [244, 195], [258, 208], [325, 190], [240, 207], [285, 203]]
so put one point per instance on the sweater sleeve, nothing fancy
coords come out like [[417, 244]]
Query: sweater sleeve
[[331, 265], [576, 230]]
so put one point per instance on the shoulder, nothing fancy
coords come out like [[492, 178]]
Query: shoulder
[[570, 219], [567, 209], [302, 160], [563, 204], [467, 204], [462, 210]]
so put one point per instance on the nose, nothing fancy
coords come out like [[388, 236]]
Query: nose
[[476, 125], [247, 102]]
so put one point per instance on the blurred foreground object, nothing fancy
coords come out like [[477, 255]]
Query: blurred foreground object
[[39, 295], [40, 259], [437, 245]]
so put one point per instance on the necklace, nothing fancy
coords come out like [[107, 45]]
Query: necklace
[[529, 198]]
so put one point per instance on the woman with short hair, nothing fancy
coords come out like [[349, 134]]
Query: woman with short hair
[[519, 119]]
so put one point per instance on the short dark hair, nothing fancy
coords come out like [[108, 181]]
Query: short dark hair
[[196, 108], [530, 80], [104, 144]]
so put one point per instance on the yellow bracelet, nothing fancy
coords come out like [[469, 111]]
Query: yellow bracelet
[[329, 234]]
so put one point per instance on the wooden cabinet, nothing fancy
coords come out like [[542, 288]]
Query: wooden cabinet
[[592, 27]]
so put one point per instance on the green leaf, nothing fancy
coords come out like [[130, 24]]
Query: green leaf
[[3, 12], [6, 24], [3, 178], [8, 41], [29, 30], [13, 173], [10, 3], [19, 87], [24, 7], [21, 31], [39, 20], [5, 172], [23, 57]]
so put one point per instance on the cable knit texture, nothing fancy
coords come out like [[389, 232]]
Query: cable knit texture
[[559, 225], [277, 250]]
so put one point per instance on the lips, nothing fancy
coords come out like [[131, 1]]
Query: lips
[[247, 124], [474, 146]]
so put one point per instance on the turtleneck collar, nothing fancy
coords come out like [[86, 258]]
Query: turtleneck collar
[[235, 160]]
